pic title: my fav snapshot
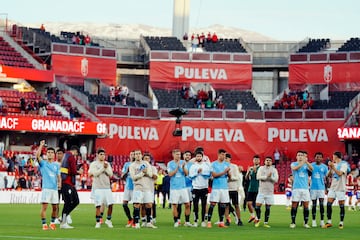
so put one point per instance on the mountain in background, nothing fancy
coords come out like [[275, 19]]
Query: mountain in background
[[133, 31]]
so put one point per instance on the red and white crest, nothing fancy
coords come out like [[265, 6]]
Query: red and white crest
[[84, 67], [327, 73]]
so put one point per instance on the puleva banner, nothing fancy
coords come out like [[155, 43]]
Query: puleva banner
[[241, 139]]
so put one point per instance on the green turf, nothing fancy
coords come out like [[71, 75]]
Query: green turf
[[21, 221]]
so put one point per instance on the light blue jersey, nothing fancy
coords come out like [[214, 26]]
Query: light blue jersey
[[301, 177], [129, 185], [222, 181], [318, 176], [188, 181], [49, 173], [177, 181]]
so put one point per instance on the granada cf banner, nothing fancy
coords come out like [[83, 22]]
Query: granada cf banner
[[232, 74], [85, 67], [12, 123], [322, 73], [241, 139]]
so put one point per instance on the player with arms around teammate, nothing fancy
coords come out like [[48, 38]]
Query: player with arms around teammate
[[51, 182], [300, 170], [267, 176], [337, 171], [317, 187], [101, 172]]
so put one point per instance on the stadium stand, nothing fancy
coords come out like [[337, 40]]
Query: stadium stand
[[164, 43], [224, 45], [337, 100], [231, 98], [315, 45], [10, 57], [168, 98], [350, 45]]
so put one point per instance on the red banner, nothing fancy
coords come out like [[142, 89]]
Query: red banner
[[241, 139], [27, 74], [322, 73], [85, 67], [219, 73], [20, 123], [348, 133]]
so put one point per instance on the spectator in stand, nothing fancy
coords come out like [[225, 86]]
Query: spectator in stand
[[202, 40], [42, 28], [22, 105], [277, 156], [5, 182], [87, 40], [1, 104], [214, 38], [239, 106], [71, 113], [195, 43], [209, 37], [305, 95], [73, 39], [183, 91], [2, 147], [209, 103], [112, 93], [83, 151], [124, 94], [77, 114]]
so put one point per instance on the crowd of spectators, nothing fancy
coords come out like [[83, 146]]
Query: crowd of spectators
[[33, 106], [25, 174], [203, 99], [77, 38], [119, 94], [294, 100], [199, 40]]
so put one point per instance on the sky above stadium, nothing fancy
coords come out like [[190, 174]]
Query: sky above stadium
[[279, 19]]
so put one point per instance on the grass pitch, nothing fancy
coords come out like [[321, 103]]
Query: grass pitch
[[22, 221]]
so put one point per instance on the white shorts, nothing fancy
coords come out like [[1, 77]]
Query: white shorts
[[219, 196], [142, 197], [299, 195], [340, 196], [316, 194], [179, 196], [127, 196], [50, 196], [265, 199], [103, 196], [189, 193]]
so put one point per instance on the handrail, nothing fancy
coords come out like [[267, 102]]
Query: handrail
[[227, 114]]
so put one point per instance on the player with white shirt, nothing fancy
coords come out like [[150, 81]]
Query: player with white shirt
[[338, 171], [200, 173], [101, 172], [267, 176]]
